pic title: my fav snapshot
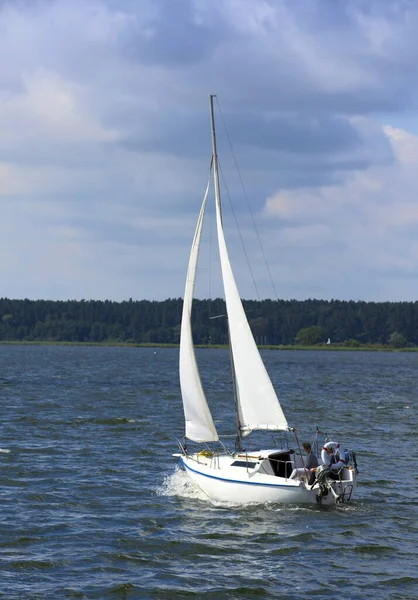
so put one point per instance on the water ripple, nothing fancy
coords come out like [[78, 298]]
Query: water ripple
[[94, 506]]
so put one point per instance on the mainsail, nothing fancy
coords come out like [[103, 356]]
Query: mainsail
[[199, 422], [258, 405]]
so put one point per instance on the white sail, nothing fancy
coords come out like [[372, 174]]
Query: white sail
[[258, 405], [199, 422]]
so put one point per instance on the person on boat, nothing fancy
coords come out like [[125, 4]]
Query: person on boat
[[331, 461], [331, 457], [311, 463]]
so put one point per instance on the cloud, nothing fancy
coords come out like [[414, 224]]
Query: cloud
[[105, 140], [365, 227], [49, 107]]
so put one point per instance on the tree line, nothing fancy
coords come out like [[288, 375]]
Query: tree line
[[281, 322]]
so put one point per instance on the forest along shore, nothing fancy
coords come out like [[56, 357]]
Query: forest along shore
[[278, 324]]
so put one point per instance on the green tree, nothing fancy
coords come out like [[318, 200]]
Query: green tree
[[309, 336], [397, 340]]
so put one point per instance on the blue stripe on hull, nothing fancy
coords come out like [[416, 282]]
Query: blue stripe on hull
[[290, 487]]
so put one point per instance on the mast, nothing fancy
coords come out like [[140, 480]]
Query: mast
[[215, 154], [238, 443]]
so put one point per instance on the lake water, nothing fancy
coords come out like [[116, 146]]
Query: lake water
[[93, 505]]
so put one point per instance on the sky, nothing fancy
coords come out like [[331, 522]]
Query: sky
[[105, 147]]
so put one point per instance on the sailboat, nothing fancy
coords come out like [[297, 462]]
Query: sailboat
[[241, 475]]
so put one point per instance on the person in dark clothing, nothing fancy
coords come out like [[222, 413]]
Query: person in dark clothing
[[311, 462]]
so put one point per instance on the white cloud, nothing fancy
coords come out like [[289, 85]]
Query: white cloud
[[405, 145], [367, 224], [47, 107]]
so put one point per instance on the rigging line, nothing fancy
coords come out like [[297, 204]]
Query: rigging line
[[247, 199], [239, 231]]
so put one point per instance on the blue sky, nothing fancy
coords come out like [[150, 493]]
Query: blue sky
[[105, 145]]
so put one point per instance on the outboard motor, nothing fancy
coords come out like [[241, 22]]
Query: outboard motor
[[325, 478], [322, 479]]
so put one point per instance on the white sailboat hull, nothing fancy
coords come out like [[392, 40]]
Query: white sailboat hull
[[221, 481]]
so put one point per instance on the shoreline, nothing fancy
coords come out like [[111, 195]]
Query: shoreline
[[297, 348]]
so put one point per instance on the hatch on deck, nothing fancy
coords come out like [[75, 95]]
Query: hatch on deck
[[282, 463]]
